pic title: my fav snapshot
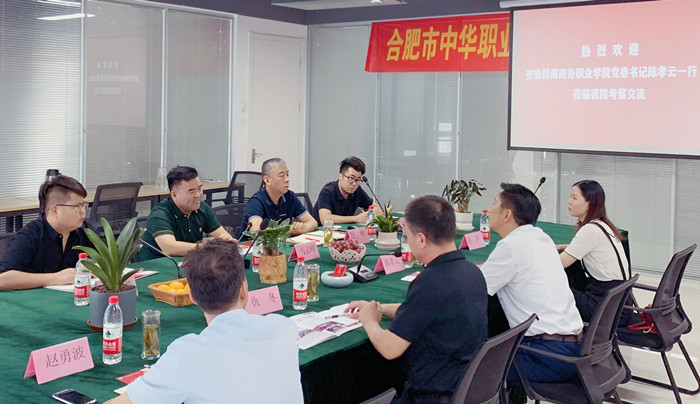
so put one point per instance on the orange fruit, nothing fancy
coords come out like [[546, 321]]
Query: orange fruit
[[176, 285], [164, 287], [181, 291]]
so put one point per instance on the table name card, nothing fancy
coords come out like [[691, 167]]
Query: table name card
[[307, 250], [389, 264], [60, 360], [263, 301], [472, 241], [360, 235]]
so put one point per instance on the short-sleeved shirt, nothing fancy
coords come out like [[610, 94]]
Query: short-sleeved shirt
[[167, 218], [261, 206], [444, 318], [38, 248], [332, 199], [592, 246], [237, 358], [526, 272]]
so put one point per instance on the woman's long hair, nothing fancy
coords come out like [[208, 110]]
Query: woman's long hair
[[594, 194]]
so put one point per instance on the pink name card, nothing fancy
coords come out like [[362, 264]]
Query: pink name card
[[360, 235], [60, 360], [307, 250], [473, 241], [263, 301], [389, 264]]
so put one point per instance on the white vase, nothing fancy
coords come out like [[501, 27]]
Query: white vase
[[387, 241], [464, 220]]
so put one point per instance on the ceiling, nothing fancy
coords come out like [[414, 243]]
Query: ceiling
[[333, 4]]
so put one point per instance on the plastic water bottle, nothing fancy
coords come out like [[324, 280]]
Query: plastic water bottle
[[81, 291], [371, 229], [112, 326], [256, 257], [406, 253], [301, 279], [484, 227]]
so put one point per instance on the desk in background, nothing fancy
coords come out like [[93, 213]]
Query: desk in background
[[346, 369]]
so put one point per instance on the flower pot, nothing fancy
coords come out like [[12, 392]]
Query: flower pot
[[273, 269], [100, 300], [464, 220], [387, 241]]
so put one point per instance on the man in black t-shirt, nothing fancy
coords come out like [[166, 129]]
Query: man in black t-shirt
[[339, 200], [443, 321]]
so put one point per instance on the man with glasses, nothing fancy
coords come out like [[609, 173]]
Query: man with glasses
[[182, 219], [339, 200], [42, 252]]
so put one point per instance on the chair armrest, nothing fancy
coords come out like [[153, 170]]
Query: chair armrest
[[649, 310], [645, 287], [563, 358]]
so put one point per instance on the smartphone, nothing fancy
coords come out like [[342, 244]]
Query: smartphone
[[70, 396]]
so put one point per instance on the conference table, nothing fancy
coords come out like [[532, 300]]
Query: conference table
[[13, 209], [346, 369]]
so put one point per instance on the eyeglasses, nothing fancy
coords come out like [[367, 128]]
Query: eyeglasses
[[77, 206], [351, 179]]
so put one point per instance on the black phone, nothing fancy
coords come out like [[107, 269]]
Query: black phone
[[70, 396], [352, 227]]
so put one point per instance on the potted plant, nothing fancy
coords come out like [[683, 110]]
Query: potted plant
[[110, 258], [458, 193], [388, 225], [273, 262]]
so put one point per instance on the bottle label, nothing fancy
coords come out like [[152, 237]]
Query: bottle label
[[407, 256], [111, 340], [256, 260], [300, 289], [81, 292], [486, 233], [372, 230]]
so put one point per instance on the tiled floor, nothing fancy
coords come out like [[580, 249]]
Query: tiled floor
[[649, 364]]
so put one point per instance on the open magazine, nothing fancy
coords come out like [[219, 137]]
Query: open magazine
[[315, 328]]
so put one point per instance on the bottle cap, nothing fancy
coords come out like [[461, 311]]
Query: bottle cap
[[372, 207], [486, 211], [113, 299], [82, 256], [300, 259]]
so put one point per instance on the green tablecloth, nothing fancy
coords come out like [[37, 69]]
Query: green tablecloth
[[345, 369]]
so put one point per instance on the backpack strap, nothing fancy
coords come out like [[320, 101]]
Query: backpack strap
[[619, 259]]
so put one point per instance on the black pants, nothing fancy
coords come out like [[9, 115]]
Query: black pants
[[588, 299]]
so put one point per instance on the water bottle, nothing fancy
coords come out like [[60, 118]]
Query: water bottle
[[371, 229], [301, 279], [406, 253], [256, 257], [484, 227], [81, 292], [112, 324]]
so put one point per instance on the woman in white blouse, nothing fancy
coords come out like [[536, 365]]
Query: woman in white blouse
[[597, 244]]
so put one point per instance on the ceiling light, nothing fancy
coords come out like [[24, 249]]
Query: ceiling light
[[375, 1], [69, 3], [65, 17]]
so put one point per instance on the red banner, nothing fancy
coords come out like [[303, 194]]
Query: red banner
[[468, 43]]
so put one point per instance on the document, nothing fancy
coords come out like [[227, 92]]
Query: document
[[315, 328]]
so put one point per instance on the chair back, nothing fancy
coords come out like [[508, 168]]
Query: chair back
[[306, 202], [383, 398], [5, 240], [667, 298], [245, 184], [486, 374], [230, 217], [114, 202]]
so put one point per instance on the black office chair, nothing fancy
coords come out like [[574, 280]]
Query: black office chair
[[670, 319], [5, 240], [485, 377], [306, 202], [383, 398], [114, 202], [230, 217], [600, 365], [244, 184]]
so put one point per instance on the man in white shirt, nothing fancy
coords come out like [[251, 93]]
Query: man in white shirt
[[226, 362], [526, 272]]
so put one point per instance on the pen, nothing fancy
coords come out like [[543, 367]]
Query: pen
[[337, 315]]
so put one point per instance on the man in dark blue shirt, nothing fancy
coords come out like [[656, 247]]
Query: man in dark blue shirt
[[42, 252], [275, 201], [443, 321], [339, 200]]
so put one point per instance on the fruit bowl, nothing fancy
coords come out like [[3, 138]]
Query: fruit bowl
[[347, 255]]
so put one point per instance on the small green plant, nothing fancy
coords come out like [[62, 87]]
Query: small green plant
[[274, 235], [459, 192], [111, 257], [387, 223]]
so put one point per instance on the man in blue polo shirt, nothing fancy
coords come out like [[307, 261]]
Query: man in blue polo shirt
[[443, 321], [339, 200], [181, 220], [275, 201]]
